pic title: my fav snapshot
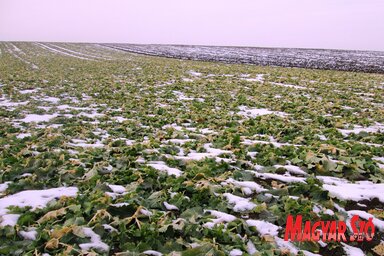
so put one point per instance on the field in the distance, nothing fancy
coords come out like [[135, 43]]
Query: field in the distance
[[105, 152], [365, 61]]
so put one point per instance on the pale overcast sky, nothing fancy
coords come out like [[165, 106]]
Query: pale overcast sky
[[338, 24]]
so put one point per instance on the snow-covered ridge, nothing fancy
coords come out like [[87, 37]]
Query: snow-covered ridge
[[255, 112], [32, 198], [345, 190]]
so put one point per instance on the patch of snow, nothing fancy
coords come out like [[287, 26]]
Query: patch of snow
[[252, 154], [274, 143], [251, 248], [289, 85], [344, 190], [380, 159], [240, 204], [28, 235], [84, 144], [286, 245], [221, 217], [235, 252], [72, 152], [45, 108], [215, 151], [8, 219], [287, 178], [95, 243], [7, 103], [65, 107], [161, 166], [4, 186], [377, 128], [322, 137], [207, 131], [152, 252], [255, 112], [23, 135], [292, 169], [119, 119], [38, 118], [264, 227], [194, 73], [211, 153], [28, 91], [118, 205], [146, 212], [332, 180], [91, 115], [51, 99], [117, 189], [352, 251], [170, 207], [33, 198], [259, 78], [248, 187], [316, 209], [181, 96], [173, 126]]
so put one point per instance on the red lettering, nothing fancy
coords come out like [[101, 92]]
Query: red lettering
[[293, 230], [307, 232], [324, 229], [328, 230], [332, 231], [361, 232], [355, 231], [341, 228], [315, 232], [369, 225]]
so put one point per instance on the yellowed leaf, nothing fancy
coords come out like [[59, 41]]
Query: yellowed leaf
[[52, 244], [268, 238], [78, 231], [378, 213], [52, 215], [379, 249], [59, 233]]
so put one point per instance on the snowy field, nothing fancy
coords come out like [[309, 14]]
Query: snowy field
[[106, 152], [366, 61]]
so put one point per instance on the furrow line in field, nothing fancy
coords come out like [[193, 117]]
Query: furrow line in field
[[78, 53], [60, 52], [15, 53]]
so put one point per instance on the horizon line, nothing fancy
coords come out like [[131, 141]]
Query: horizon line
[[182, 44]]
